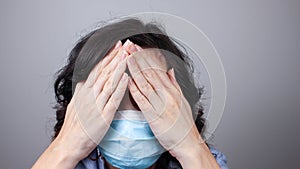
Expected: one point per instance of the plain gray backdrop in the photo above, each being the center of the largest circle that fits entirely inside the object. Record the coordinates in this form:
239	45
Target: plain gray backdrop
258	42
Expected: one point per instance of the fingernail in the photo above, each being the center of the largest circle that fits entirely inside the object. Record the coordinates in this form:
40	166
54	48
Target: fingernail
173	73
118	44
126	43
132	48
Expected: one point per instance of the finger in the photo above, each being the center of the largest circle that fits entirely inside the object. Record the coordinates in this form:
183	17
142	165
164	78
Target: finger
145	106
155	94
156	58
126	44
107	59
78	88
110	71
114	78
138	77
130	47
117	96
149	73
157	99
110	67
116	46
172	78
138	97
138	47
111	53
153	62
121	55
110	84
102	100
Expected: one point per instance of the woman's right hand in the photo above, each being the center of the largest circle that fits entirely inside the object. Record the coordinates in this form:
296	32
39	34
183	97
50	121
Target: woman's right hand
93	105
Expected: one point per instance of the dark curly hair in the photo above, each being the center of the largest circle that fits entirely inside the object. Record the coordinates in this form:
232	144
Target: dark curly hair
91	48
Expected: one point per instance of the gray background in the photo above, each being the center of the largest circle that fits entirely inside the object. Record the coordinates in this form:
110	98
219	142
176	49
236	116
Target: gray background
258	42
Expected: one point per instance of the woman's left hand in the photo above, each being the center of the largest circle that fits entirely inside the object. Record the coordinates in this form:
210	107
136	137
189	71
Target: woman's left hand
158	95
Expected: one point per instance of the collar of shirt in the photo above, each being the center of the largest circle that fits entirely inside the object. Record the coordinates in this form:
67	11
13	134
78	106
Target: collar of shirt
87	163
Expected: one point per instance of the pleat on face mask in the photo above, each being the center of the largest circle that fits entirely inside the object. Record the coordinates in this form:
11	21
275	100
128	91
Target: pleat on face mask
129	142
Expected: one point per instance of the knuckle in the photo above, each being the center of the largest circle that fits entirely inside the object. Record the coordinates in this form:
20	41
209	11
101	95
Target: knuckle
106	71
109	83
134	74
117	95
133	89
104	93
121	88
148	73
110	108
145	87
141	100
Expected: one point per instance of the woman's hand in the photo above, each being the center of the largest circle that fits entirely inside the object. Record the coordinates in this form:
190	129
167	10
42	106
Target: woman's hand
89	112
160	98
94	104
158	95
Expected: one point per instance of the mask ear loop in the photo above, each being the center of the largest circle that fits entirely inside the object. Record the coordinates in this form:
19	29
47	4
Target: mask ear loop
99	155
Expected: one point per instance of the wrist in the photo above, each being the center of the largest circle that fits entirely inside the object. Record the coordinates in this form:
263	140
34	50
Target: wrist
55	156
190	151
196	155
192	143
63	152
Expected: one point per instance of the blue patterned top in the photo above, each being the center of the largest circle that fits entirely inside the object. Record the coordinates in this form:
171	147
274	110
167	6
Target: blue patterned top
99	164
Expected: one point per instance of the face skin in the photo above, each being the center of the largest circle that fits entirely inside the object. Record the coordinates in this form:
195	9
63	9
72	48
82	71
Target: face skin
129	104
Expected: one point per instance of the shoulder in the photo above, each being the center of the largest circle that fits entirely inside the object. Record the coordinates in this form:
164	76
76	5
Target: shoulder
220	157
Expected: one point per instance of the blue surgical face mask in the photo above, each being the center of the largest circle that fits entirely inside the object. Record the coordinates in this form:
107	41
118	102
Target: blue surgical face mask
129	143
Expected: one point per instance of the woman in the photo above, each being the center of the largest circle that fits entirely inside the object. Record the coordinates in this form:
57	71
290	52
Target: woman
156	123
